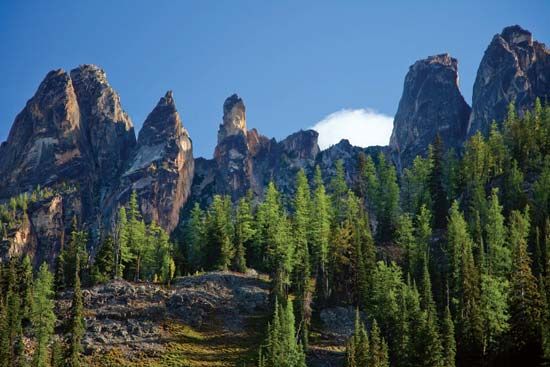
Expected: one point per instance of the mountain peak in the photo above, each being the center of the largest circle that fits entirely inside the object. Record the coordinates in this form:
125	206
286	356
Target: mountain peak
234	118
515	34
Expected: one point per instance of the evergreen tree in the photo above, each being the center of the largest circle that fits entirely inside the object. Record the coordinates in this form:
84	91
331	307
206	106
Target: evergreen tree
13	343
76	324
123	255
220	250
320	234
415	188
438	194
499	253
274	242
339	190
194	238
448	341
302	270
525	299
357	348
378	349
43	316
104	261
244	233
388	199
25	278
281	348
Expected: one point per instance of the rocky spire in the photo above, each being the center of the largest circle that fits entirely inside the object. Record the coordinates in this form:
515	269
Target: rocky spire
161	171
44	140
514	68
234	118
431	104
108	130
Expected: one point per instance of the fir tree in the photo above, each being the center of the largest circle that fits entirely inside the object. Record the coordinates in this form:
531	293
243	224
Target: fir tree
525	300
244	233
281	348
320	235
76	325
500	260
43	316
448	339
378	349
438	194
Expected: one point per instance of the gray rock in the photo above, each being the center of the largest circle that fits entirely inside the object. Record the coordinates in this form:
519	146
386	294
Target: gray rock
514	68
431	104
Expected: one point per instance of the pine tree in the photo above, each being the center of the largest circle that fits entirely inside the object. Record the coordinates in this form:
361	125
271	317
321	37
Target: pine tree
302	270
388	198
438	194
76	324
273	241
14	336
220	250
104	261
25	277
194	238
378	349
339	190
244	233
525	299
448	341
357	348
57	359
43	316
123	255
320	235
281	348
500	260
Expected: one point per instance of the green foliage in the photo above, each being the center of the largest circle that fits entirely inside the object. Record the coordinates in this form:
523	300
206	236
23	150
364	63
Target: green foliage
76	324
43	316
281	348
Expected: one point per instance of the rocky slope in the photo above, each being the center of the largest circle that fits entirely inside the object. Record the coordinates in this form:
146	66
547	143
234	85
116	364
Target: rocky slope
215	319
514	68
431	104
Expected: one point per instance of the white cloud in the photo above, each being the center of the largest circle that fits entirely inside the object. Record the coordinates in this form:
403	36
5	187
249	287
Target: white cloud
362	127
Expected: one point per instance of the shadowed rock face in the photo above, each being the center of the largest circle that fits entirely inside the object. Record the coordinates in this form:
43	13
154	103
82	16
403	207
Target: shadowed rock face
161	169
515	68
74	137
109	133
44	145
431	104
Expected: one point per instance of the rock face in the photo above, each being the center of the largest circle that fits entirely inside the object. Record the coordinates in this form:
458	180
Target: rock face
45	145
431	104
161	169
74	138
246	160
108	131
515	68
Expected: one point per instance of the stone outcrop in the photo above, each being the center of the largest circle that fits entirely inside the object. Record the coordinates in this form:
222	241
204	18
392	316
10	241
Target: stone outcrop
108	131
161	168
45	145
133	317
431	104
74	138
246	160
514	68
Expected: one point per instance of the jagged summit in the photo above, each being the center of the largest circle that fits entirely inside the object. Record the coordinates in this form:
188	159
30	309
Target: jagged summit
431	104
514	68
234	118
515	34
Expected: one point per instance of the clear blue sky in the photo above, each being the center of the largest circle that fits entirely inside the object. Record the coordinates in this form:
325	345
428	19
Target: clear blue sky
293	62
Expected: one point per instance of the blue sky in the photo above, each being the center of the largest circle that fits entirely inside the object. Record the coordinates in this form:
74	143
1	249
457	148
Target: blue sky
293	62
